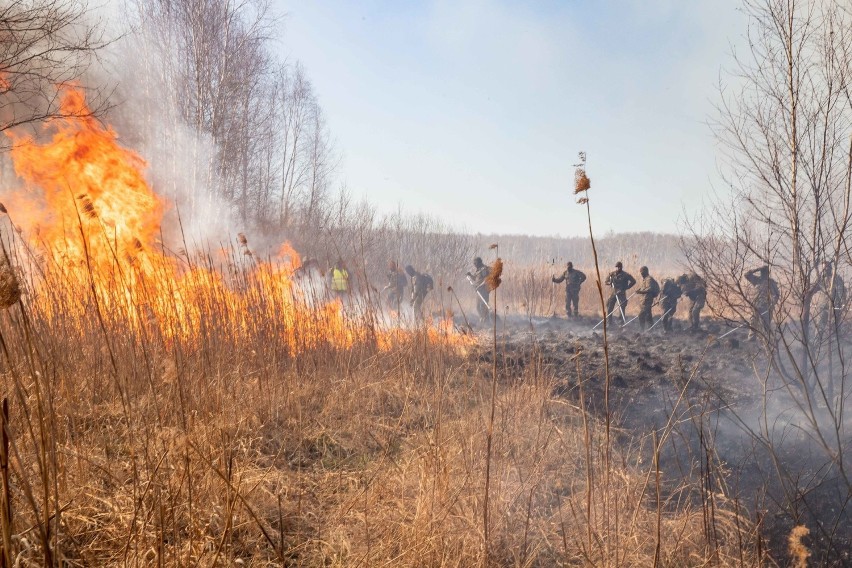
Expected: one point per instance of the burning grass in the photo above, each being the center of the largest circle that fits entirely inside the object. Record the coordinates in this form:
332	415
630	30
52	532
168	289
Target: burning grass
181	410
127	450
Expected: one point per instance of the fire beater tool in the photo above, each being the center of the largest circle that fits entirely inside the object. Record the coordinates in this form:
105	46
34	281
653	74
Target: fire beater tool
478	293
613	311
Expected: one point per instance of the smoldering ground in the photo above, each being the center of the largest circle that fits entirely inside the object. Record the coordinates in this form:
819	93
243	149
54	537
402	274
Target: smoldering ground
730	429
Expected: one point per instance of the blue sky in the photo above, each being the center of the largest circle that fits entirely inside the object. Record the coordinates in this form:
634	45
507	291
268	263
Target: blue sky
474	110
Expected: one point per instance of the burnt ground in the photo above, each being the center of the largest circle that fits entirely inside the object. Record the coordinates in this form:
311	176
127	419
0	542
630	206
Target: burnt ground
711	393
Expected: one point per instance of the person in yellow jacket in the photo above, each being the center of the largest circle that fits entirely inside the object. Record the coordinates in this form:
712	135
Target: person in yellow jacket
339	280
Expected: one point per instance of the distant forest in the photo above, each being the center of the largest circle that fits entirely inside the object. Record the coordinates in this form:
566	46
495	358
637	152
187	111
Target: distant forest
660	252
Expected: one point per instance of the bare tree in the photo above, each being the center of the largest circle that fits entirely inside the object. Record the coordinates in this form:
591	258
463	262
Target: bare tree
43	44
785	125
295	103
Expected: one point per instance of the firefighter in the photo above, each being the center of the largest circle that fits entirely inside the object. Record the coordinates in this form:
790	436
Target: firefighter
763	297
395	287
695	290
669	296
829	298
477	280
620	281
421	284
339	280
649	290
573	281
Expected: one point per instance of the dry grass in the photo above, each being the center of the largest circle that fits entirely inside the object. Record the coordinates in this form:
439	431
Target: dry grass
128	447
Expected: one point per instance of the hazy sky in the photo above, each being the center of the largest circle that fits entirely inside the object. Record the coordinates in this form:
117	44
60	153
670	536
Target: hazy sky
474	110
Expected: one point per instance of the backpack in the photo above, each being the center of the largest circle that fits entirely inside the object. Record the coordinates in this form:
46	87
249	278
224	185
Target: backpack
655	288
671	290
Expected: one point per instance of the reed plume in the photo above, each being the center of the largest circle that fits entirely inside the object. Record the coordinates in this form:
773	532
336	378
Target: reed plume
799	553
581	181
493	280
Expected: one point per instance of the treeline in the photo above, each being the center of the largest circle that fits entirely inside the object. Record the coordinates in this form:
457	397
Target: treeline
660	252
225	120
234	134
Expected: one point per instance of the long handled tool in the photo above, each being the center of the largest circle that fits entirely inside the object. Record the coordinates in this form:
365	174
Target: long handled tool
635	317
478	293
726	334
621	309
659	320
613	311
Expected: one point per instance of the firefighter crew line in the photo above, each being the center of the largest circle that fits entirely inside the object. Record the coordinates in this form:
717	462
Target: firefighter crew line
763	294
762	291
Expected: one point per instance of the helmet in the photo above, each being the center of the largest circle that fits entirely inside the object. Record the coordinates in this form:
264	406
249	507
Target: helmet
477	261
643	271
618	264
570	264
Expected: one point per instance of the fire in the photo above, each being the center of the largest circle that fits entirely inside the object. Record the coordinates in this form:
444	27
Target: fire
89	210
88	200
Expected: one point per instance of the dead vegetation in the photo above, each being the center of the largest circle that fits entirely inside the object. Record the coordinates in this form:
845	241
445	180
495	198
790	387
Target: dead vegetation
126	447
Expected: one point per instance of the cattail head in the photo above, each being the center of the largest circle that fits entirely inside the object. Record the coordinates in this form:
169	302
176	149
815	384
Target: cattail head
10	288
493	281
581	181
798	551
88	206
492	246
450	289
241	238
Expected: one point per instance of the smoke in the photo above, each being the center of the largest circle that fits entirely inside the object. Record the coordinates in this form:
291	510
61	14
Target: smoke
146	114
137	98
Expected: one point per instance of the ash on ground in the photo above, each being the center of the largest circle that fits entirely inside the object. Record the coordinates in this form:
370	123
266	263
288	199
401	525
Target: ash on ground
728	436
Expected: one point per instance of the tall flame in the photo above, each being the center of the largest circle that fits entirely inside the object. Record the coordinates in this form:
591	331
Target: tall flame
95	207
88	206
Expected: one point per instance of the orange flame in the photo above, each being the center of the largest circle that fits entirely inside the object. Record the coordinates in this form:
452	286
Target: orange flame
88	206
96	208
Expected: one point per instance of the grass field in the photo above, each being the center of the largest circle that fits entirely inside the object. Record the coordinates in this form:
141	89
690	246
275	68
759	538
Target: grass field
223	444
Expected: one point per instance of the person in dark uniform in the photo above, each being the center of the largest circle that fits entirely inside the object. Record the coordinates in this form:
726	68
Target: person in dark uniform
620	282
573	281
